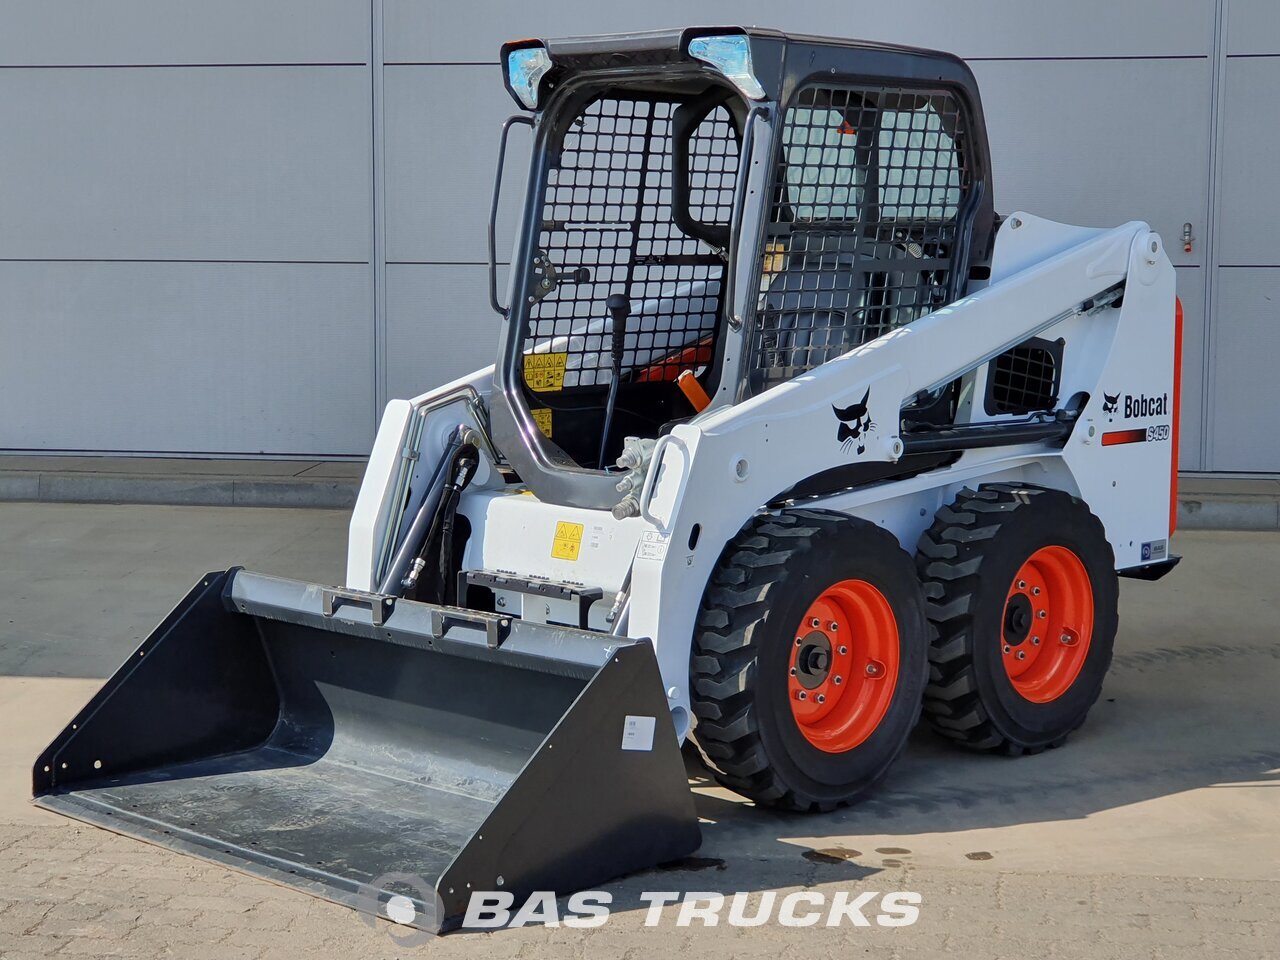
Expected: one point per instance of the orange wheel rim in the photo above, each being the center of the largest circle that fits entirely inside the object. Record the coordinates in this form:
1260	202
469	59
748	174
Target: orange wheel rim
1047	624
844	666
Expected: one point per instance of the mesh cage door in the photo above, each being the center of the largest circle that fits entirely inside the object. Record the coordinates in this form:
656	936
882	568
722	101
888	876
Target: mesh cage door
607	227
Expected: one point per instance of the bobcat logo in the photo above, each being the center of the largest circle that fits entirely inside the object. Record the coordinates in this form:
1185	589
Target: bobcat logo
855	424
1110	402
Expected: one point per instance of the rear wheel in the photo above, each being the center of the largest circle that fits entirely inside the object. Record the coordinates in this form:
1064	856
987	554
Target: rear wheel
809	662
1023	593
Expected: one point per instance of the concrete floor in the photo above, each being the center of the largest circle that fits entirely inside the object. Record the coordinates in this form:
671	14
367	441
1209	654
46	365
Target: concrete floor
1154	832
82	584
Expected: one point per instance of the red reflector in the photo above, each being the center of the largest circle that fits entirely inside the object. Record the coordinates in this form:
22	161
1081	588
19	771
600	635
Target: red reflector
1124	436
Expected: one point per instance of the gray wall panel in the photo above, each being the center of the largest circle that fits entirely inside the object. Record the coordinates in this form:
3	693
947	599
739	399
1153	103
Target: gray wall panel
110	155
441	134
185	163
1253	26
439	325
418	32
1246	392
1069	146
78	32
214	358
1084	168
1247	164
1191	293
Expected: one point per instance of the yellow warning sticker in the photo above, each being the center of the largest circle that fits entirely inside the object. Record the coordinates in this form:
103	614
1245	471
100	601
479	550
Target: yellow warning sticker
544	372
567	542
542	417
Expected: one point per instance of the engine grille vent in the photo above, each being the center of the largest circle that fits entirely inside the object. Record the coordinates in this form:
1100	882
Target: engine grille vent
1025	379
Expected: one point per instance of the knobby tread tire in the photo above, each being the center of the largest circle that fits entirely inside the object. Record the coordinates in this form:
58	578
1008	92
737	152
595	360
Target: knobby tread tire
733	625
950	558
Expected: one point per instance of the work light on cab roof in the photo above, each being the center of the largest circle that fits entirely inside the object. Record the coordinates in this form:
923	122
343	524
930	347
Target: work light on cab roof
526	66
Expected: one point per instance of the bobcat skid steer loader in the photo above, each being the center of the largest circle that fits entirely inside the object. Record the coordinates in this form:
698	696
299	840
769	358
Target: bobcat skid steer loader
789	439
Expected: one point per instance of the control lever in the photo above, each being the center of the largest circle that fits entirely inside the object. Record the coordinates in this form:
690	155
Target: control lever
693	391
619	308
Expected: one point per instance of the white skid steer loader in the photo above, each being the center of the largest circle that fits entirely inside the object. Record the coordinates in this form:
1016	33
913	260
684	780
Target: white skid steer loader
789	439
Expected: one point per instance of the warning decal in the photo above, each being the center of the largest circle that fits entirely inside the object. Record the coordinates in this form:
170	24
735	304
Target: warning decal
567	542
544	372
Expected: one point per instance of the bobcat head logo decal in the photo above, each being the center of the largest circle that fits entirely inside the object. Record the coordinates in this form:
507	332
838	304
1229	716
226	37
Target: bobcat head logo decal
1109	402
855	424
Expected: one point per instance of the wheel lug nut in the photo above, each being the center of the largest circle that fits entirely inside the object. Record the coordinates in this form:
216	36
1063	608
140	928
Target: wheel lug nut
1035	591
793	671
802	695
834	626
837	680
843	650
1007	648
1022	584
822	698
1035	641
799	640
1042	614
814	622
1022	655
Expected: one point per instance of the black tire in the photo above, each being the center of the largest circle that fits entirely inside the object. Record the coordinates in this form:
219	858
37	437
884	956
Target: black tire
968	560
745	644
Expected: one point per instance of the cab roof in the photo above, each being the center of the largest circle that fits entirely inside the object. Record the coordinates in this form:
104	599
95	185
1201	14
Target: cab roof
781	61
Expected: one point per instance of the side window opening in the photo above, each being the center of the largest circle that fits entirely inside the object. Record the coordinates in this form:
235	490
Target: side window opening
867	197
824	180
920	173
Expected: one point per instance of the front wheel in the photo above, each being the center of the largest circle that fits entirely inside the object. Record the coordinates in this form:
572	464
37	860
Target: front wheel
809	663
1023	594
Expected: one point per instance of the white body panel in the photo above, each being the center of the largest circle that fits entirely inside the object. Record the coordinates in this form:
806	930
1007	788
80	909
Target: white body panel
715	472
412	432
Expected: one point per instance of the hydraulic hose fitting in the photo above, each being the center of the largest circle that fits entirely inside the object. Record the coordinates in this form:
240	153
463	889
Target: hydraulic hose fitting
636	454
411	578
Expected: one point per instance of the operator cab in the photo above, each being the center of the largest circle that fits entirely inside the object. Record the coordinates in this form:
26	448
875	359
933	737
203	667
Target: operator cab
706	221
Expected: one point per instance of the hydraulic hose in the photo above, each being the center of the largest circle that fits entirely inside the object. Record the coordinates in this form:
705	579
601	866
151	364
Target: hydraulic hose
619	308
608	416
465	464
416	539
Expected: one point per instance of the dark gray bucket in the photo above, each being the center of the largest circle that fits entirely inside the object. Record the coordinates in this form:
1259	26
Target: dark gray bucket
330	751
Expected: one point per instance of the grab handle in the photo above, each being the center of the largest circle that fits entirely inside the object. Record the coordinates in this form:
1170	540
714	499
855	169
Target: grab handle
493	211
651	478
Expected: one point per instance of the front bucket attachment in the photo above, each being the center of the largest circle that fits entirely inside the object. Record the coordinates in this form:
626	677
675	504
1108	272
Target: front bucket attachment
358	747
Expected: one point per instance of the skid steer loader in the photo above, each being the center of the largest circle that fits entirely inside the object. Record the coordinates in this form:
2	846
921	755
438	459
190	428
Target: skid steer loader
790	438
